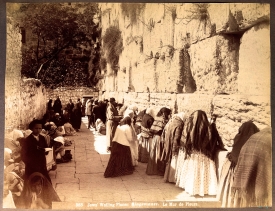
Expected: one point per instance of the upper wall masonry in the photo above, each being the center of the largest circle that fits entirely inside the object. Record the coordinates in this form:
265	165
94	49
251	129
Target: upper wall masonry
187	48
214	57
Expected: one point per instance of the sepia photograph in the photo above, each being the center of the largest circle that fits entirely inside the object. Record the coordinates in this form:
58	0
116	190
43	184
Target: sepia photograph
119	105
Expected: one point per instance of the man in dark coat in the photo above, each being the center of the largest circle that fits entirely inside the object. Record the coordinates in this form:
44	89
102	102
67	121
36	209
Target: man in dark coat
34	150
96	111
57	106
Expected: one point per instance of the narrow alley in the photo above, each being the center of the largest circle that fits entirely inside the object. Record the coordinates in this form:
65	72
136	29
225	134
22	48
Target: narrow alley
81	185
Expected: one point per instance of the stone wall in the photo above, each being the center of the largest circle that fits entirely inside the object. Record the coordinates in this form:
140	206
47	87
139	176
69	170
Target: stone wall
12	76
24	99
216	59
66	93
32	101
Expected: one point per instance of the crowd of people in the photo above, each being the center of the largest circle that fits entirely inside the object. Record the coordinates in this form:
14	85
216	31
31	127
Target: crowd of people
182	148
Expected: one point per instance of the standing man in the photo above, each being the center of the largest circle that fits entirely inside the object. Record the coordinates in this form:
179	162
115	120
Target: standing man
112	122
77	114
57	106
88	112
70	107
96	112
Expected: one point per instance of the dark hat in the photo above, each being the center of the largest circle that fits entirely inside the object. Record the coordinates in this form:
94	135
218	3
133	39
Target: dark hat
112	99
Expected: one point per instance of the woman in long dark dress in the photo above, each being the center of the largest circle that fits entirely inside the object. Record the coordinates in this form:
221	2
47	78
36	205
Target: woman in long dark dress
120	162
76	116
155	166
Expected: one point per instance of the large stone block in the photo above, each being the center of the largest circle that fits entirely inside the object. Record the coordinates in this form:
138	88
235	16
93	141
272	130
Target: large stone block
248	13
254	62
214	64
189	103
233	110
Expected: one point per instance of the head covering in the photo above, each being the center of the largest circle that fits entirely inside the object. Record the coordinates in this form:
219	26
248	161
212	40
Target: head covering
149	111
126	120
27	132
246	130
112	99
7	157
129	113
181	115
252	185
60	139
17	134
134	108
198	134
48	194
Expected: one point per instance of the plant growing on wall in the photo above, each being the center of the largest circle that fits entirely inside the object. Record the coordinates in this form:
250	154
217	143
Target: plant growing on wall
103	63
112	46
132	10
199	12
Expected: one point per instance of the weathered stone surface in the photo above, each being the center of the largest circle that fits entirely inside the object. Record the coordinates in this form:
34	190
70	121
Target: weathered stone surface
214	64
24	100
189	103
233	110
66	93
254	62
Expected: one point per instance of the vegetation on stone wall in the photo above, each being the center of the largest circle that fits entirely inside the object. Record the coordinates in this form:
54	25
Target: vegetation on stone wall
112	46
55	31
132	10
103	63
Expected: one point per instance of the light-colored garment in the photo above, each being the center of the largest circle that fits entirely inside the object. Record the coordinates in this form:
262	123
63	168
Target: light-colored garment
134	146
8	201
88	108
100	126
16	134
197	175
123	135
69	130
112	122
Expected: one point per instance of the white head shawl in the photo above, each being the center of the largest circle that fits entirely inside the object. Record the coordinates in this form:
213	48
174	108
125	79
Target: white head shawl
28	132
60	139
149	111
134	108
181	115
17	134
129	113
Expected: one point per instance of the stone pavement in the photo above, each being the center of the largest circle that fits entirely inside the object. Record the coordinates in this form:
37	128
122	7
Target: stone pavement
80	183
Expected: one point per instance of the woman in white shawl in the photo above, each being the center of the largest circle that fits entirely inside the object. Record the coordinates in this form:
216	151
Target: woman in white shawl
120	162
134	142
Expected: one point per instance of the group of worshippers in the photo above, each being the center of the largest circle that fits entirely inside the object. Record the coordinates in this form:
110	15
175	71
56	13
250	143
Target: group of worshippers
27	184
95	110
70	113
183	149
